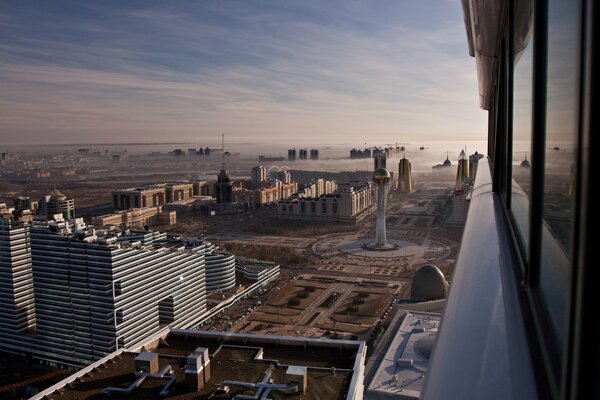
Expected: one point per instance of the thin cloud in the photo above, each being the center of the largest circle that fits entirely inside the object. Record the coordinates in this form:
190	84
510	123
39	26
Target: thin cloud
246	71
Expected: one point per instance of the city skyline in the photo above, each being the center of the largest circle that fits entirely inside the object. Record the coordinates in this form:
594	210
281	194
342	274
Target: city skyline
90	73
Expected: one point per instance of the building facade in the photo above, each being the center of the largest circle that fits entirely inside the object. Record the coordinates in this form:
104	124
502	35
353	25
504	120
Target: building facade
179	192
284	176
258	176
152	196
526	273
16	279
220	269
379	159
318	187
352	203
95	294
291	155
56	203
404	176
137	218
266	195
224	188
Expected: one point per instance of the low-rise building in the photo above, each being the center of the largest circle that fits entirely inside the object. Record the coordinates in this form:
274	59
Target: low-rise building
400	373
201	188
256	270
140	197
137	218
179	192
192	364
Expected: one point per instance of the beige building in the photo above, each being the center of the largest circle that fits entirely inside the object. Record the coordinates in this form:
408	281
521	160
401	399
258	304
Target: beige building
284	176
350	203
141	197
266	195
318	187
42	174
179	192
404	176
201	188
137	218
68	171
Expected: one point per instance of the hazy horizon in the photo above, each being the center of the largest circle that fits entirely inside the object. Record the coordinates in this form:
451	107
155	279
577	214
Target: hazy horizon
137	72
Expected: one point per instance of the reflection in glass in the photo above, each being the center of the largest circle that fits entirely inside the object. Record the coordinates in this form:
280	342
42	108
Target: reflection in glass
522	115
561	140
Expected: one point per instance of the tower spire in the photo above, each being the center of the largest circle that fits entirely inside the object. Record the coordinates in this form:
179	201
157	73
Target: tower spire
222	150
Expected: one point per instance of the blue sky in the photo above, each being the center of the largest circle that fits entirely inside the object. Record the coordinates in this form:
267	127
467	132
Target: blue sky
127	71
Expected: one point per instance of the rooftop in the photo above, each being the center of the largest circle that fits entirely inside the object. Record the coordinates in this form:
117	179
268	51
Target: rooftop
330	367
402	370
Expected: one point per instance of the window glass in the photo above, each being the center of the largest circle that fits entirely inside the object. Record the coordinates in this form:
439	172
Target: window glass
522	116
561	145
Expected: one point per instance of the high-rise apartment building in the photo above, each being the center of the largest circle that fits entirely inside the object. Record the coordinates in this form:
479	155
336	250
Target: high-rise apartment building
379	159
291	155
16	279
284	176
94	294
258	176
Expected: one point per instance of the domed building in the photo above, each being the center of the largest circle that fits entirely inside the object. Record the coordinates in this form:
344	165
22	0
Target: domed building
447	162
57	195
429	283
424	345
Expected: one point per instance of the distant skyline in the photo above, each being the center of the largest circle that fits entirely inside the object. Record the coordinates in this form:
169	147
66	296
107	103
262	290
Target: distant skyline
138	71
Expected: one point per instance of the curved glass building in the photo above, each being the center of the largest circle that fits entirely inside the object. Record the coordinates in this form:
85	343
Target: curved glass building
220	268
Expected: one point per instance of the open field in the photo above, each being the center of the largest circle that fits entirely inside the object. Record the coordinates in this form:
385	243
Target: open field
364	304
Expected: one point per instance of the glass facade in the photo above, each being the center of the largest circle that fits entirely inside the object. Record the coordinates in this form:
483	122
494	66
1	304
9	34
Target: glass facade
541	122
522	101
562	132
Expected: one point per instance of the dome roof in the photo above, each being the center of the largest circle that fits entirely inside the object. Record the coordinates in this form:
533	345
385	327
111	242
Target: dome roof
447	163
429	282
381	175
57	194
425	344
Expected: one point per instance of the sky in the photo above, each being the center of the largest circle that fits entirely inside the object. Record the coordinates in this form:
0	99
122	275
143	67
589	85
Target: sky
281	71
